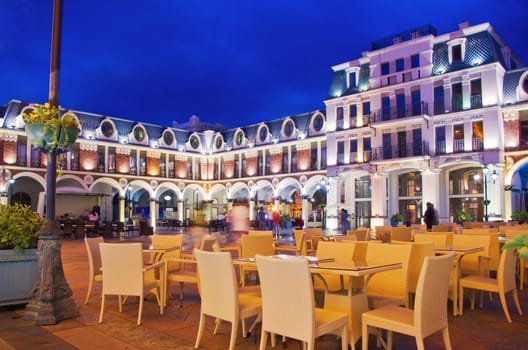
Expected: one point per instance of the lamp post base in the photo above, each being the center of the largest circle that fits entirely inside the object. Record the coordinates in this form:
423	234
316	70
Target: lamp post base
51	300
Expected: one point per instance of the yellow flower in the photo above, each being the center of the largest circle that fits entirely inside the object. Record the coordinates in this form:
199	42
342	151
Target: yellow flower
49	115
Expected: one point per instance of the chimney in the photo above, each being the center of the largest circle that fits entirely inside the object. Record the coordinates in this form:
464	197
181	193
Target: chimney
464	25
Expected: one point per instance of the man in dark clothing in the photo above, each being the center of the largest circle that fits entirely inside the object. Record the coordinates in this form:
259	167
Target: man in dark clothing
429	216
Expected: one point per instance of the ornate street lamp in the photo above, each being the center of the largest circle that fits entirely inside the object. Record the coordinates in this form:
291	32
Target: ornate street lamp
493	176
51	301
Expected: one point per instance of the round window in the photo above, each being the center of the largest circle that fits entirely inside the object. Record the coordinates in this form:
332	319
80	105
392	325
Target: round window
195	141
219	142
263	133
168	138
318	122
107	129
288	128
239	138
139	133
525	85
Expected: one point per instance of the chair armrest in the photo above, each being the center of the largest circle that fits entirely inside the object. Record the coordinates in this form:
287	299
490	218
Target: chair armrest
158	265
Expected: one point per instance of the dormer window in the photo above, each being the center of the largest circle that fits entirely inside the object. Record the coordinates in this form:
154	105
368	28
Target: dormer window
456	53
457	49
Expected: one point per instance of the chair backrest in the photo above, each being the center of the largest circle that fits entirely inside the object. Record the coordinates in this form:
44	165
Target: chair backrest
338	251
253	245
218	284
470	264
419	251
439	239
507	269
391	284
80	228
208	243
94	255
122	268
401	233
67	228
511	232
167	241
419	227
300	241
286	284
260	233
475	231
443	228
430	306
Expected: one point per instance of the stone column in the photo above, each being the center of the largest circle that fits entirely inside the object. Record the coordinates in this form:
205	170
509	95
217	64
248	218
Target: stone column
153	211
379	202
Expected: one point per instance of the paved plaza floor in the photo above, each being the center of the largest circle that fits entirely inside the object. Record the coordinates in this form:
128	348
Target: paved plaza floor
176	329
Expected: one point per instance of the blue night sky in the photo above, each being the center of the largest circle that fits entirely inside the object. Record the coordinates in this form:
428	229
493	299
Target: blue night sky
229	62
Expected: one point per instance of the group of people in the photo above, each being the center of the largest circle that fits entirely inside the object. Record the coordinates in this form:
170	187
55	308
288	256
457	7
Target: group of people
431	216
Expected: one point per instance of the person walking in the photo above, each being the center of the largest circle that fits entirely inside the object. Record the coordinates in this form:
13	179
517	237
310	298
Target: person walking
343	216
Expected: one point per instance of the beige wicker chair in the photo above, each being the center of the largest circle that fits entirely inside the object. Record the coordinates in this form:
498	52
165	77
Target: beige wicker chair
430	308
302	321
251	246
504	283
220	296
125	275
94	264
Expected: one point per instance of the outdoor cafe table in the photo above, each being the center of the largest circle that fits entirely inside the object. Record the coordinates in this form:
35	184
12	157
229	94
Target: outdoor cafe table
353	301
459	254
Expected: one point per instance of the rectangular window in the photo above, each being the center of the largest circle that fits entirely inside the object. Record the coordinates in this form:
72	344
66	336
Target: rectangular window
478	136
417	143
353	111
476	93
440	139
387	146
458	138
400	105
415	61
340	152
439	107
352	79
400	65
366	108
367	150
457	97
402	144
456	53
416	103
353	151
339	117
385	108
385	68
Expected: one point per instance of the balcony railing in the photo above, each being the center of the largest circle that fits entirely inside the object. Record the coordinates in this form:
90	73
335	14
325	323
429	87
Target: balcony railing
400	151
458	146
477	144
476	101
398	112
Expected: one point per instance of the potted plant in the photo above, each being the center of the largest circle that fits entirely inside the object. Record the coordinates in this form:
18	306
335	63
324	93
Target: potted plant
47	129
520	216
520	243
18	253
396	219
462	216
285	221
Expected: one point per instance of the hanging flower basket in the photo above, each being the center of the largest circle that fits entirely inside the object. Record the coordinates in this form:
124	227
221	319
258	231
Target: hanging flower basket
48	131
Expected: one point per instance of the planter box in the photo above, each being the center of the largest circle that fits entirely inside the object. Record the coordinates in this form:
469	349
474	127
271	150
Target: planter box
18	272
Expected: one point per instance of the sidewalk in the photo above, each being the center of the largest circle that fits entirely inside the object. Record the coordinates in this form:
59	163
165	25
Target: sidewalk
176	329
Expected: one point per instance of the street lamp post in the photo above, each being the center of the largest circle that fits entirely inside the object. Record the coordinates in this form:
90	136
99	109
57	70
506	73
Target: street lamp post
51	301
493	176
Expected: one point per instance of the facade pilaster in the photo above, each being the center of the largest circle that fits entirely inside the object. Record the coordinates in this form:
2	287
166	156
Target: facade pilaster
379	201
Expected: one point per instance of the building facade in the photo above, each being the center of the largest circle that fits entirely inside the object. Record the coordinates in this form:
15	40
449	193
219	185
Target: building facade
421	117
